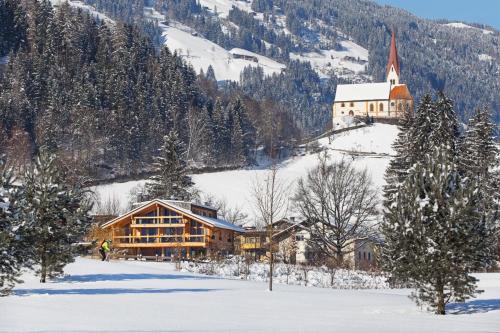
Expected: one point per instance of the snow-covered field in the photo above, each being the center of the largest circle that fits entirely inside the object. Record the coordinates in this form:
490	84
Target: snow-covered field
461	25
352	57
222	7
152	297
235	267
201	53
371	147
81	5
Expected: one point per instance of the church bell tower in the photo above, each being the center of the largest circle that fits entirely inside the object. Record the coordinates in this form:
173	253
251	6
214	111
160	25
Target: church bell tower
392	70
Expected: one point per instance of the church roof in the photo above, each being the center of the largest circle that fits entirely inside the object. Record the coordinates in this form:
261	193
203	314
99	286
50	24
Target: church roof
400	92
362	92
393	56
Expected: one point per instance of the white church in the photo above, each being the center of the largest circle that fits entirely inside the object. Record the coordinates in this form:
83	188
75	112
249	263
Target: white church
378	100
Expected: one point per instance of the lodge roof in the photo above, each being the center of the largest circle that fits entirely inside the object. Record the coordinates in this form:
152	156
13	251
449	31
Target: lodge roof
215	222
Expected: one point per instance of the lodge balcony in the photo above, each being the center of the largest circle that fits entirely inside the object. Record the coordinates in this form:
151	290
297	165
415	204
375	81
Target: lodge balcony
144	241
251	246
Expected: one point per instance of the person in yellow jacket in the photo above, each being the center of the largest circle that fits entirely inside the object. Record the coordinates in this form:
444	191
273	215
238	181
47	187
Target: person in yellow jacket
104	250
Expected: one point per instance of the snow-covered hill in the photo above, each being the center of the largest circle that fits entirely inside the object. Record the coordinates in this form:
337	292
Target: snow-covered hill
201	53
368	147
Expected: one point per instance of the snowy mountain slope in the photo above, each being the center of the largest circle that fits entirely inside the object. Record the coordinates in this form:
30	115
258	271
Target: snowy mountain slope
222	7
235	187
201	53
351	59
461	25
90	9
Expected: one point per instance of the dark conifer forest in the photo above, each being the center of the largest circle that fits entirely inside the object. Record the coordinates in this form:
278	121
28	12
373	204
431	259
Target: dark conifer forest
102	97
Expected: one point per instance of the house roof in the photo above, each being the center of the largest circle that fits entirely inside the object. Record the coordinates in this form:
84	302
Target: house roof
362	92
400	92
215	222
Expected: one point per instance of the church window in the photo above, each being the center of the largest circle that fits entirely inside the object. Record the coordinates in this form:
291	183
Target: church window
352	104
381	107
342	112
342	105
400	107
392	104
372	108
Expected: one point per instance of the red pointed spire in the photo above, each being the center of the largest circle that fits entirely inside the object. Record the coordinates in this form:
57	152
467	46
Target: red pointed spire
393	56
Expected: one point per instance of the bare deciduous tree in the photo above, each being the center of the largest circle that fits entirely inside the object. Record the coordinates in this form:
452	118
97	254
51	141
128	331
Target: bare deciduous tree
271	202
340	204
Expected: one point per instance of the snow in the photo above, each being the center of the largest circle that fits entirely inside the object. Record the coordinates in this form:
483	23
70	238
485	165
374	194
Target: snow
129	296
363	92
201	53
461	25
88	8
485	57
222	7
352	57
367	147
236	268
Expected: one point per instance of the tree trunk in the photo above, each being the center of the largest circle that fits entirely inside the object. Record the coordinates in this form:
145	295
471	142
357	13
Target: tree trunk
43	270
440	301
271	264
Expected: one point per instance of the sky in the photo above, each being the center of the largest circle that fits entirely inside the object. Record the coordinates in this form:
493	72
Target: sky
472	11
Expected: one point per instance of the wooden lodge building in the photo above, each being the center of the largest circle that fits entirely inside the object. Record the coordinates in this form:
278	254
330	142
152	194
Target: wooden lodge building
167	228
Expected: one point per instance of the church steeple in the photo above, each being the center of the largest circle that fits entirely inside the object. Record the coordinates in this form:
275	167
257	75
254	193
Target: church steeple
392	70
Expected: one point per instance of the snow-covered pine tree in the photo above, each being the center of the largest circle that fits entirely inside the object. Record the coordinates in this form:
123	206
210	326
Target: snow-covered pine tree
478	152
170	180
434	234
56	215
478	160
221	135
445	132
397	170
12	254
425	122
211	74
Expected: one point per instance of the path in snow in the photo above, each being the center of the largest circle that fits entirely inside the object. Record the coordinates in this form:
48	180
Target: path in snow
152	297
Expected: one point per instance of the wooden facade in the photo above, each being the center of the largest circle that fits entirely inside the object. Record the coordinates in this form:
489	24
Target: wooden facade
166	229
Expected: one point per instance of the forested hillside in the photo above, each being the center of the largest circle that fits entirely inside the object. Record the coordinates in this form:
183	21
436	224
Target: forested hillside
462	60
103	97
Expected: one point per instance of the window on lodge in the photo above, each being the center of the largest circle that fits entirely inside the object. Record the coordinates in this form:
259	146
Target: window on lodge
196	228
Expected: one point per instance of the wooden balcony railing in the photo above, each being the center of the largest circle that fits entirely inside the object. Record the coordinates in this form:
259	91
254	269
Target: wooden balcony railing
173	240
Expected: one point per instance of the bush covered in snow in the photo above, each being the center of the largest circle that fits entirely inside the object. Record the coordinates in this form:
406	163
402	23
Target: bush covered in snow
239	268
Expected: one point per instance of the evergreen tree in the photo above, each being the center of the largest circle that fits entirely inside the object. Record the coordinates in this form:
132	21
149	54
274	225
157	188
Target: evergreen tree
221	134
397	171
211	74
478	152
56	215
12	254
434	234
424	124
170	180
